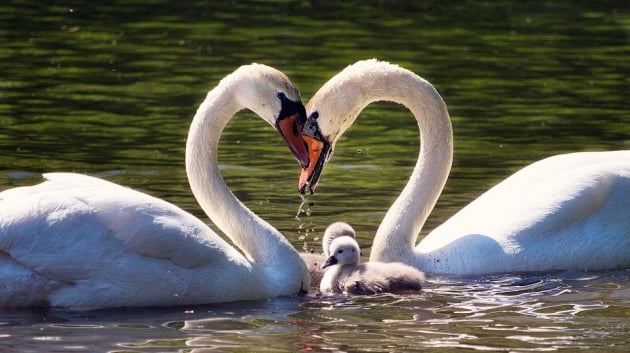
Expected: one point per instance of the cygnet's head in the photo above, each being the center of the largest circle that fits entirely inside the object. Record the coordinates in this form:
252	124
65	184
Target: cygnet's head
343	251
334	231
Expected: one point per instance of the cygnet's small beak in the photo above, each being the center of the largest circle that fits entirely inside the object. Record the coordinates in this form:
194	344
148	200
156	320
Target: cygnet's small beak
330	261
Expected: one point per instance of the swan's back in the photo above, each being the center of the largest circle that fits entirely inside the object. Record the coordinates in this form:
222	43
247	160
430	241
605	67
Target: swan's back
568	211
142	223
75	240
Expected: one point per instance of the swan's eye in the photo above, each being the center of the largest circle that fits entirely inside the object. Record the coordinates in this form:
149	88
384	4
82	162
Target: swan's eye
281	95
340	251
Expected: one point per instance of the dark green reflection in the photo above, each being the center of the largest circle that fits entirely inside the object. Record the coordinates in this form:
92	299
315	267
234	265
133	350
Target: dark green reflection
109	89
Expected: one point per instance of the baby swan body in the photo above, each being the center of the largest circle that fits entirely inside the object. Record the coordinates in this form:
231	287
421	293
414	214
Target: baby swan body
314	261
346	275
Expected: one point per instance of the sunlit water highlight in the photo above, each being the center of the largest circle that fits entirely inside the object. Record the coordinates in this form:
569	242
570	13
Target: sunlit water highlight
537	313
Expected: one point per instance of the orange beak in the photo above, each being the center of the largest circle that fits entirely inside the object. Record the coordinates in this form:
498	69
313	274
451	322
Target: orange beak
290	130
310	174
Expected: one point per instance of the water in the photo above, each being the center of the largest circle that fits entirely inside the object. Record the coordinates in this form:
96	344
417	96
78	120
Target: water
508	313
109	90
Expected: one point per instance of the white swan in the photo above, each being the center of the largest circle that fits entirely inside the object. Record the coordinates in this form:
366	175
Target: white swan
315	261
565	212
344	273
79	241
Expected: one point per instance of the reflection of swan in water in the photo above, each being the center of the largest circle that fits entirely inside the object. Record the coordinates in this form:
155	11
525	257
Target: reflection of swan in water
565	212
344	273
76	240
314	261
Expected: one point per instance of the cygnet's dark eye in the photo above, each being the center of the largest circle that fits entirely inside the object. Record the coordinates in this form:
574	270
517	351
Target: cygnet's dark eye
281	95
340	251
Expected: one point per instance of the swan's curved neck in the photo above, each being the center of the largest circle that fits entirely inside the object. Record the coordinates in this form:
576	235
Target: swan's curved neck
397	234
260	242
396	237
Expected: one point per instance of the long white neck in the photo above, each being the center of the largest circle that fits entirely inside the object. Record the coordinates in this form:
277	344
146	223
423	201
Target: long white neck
369	81
259	241
396	236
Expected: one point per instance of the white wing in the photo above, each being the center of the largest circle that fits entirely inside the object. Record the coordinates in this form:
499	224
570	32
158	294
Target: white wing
74	227
565	211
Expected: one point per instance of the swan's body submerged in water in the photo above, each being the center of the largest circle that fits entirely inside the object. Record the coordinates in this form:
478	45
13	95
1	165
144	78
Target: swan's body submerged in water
79	241
315	261
566	212
344	273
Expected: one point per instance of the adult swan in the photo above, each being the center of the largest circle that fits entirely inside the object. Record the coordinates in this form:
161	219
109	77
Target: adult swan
79	241
565	212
